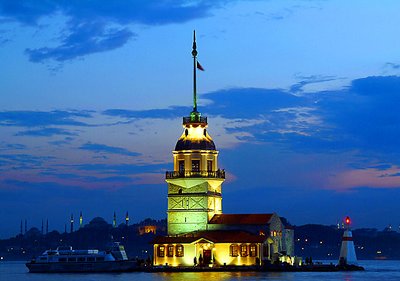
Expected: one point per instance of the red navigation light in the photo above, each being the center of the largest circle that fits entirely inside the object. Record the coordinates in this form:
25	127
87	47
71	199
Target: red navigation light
347	220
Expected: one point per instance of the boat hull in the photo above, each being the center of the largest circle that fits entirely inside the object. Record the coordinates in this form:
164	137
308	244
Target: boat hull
66	267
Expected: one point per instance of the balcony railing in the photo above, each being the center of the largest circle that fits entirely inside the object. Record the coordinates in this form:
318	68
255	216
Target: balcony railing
219	174
194	119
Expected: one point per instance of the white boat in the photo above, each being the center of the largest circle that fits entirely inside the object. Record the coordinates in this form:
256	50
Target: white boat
66	259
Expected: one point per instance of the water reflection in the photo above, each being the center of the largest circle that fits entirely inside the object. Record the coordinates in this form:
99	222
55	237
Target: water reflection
221	276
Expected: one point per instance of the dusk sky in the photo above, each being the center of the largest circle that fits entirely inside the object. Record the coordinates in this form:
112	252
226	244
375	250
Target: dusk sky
302	100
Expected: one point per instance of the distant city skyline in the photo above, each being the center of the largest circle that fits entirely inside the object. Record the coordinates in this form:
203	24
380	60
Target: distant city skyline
301	98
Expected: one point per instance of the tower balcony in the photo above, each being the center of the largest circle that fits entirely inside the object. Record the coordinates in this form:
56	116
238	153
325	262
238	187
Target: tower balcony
219	174
194	118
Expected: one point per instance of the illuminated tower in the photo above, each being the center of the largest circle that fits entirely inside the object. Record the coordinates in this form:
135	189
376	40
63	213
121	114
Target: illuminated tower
72	223
127	219
80	220
115	220
194	187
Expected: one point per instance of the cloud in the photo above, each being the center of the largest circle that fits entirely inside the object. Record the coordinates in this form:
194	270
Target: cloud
122	169
42	118
92	27
88	38
46	132
102	148
392	65
170	113
24	160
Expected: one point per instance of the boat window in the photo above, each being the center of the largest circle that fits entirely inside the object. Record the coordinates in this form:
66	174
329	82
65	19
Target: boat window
100	259
179	251
90	258
71	259
81	259
161	251
170	251
234	250
62	259
253	250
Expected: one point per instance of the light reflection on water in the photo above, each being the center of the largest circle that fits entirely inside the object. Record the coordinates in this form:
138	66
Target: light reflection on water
375	270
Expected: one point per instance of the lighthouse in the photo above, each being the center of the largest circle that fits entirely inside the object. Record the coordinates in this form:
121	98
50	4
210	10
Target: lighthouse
347	251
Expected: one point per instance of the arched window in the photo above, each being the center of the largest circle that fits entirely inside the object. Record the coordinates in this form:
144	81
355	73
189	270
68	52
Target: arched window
161	251
234	250
170	250
253	250
243	250
179	250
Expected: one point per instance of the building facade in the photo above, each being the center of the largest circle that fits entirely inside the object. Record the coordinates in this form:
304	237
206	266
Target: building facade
198	231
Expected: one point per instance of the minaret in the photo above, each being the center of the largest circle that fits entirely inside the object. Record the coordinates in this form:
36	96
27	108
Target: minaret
26	226
194	186
42	227
47	226
72	223
80	220
347	251
115	220
127	219
65	228
21	228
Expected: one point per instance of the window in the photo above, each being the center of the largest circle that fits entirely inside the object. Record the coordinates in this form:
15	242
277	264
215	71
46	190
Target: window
243	250
209	165
161	251
81	259
179	251
170	250
62	259
90	258
181	166
100	259
71	259
253	250
234	250
195	165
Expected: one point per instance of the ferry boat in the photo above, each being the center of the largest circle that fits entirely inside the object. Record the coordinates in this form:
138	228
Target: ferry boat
66	259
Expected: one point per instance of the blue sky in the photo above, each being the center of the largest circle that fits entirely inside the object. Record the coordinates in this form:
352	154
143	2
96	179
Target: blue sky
301	96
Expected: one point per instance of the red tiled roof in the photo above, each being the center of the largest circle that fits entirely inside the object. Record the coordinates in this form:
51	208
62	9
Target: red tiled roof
241	219
217	236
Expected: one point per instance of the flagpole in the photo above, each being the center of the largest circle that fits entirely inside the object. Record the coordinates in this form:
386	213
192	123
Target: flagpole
194	53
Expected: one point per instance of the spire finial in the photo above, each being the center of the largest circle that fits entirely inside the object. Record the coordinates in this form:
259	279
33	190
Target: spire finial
194	53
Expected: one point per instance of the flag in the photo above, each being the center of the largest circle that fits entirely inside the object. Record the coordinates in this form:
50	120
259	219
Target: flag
199	66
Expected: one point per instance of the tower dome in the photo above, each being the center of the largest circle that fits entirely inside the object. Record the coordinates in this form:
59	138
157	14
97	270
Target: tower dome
195	135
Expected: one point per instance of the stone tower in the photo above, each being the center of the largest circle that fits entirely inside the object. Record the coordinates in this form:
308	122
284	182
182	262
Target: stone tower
194	186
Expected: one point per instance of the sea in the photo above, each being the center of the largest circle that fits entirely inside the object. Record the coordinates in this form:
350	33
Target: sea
381	270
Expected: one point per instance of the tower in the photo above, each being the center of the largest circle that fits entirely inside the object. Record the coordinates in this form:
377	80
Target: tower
80	220
72	223
347	250
42	227
21	228
127	219
194	186
115	220
47	226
